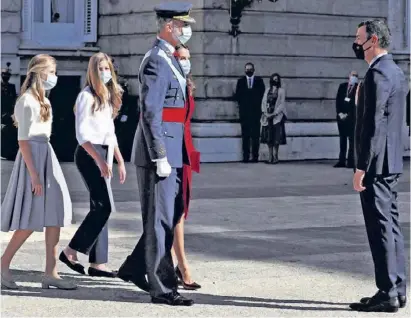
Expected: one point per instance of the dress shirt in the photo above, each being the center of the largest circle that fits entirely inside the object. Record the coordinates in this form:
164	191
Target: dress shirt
250	81
377	57
96	127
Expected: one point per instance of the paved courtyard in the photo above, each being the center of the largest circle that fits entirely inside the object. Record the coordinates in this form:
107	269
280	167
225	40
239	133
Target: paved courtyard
285	241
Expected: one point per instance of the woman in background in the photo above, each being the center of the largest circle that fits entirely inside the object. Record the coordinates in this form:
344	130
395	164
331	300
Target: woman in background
273	118
37	196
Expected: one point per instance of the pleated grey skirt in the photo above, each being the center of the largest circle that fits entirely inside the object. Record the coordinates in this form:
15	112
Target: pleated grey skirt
21	209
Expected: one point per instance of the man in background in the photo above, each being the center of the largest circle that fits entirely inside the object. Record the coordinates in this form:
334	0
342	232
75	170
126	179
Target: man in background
9	146
249	94
345	107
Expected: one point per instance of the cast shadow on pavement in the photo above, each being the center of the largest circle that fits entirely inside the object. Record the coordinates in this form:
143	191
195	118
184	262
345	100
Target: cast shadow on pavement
116	290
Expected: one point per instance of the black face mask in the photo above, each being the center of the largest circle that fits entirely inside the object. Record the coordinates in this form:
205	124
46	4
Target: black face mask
359	50
274	83
249	73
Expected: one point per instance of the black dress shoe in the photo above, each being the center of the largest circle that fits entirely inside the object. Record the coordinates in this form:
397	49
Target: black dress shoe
402	300
187	286
75	266
99	273
376	304
172	299
137	279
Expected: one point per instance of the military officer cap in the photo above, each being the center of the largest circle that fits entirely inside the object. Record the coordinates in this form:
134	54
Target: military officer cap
175	10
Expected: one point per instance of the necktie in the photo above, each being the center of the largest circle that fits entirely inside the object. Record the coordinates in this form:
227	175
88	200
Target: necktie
249	82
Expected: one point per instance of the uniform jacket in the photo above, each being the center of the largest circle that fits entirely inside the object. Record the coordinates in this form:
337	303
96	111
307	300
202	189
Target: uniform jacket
159	88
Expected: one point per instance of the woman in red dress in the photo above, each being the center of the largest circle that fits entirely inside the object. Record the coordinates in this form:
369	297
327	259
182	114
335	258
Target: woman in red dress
182	269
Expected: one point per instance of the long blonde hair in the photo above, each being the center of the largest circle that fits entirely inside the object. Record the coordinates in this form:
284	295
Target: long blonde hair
110	93
33	82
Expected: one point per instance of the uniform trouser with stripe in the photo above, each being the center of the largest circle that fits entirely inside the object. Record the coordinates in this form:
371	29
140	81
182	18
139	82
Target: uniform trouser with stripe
152	254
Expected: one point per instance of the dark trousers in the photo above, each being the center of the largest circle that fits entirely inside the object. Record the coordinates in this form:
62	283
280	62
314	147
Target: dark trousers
380	209
92	235
346	132
152	254
250	133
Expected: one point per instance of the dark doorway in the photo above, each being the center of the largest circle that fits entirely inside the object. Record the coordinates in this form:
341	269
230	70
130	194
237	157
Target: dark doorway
62	99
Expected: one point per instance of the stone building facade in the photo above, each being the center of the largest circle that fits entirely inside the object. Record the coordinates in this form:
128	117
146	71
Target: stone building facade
307	42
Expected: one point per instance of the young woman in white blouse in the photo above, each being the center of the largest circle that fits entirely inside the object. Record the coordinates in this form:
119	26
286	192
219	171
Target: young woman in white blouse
96	106
37	196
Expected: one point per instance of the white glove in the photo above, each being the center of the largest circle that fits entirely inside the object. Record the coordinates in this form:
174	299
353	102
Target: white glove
163	167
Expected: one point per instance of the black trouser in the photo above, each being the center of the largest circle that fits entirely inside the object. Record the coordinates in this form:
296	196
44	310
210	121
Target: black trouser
85	238
250	131
380	209
346	132
152	254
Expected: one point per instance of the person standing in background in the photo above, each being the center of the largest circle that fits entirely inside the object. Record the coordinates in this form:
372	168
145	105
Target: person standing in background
345	107
9	145
273	118
249	93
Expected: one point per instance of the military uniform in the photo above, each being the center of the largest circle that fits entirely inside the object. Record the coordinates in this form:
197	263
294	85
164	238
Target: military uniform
159	135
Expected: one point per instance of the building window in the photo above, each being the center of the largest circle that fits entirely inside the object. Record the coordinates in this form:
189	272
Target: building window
59	23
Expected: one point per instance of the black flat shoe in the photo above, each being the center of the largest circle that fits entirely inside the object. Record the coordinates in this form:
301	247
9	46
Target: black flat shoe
75	266
172	299
99	273
186	286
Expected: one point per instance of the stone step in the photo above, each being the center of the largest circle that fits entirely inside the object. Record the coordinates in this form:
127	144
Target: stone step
251	22
288	66
216	110
297	148
127	6
220	43
373	8
213	130
233	65
219	87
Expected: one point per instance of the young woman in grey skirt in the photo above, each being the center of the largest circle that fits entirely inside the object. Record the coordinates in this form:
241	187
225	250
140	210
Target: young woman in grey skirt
96	106
37	196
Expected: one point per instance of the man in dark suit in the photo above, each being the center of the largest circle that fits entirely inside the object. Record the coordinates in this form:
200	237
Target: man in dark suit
249	94
159	152
345	107
9	145
379	163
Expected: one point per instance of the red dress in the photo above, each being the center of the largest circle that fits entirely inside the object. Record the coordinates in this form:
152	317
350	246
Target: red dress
193	155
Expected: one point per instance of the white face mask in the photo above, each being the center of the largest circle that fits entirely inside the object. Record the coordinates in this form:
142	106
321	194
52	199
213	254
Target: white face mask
185	35
105	76
50	82
353	80
186	66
